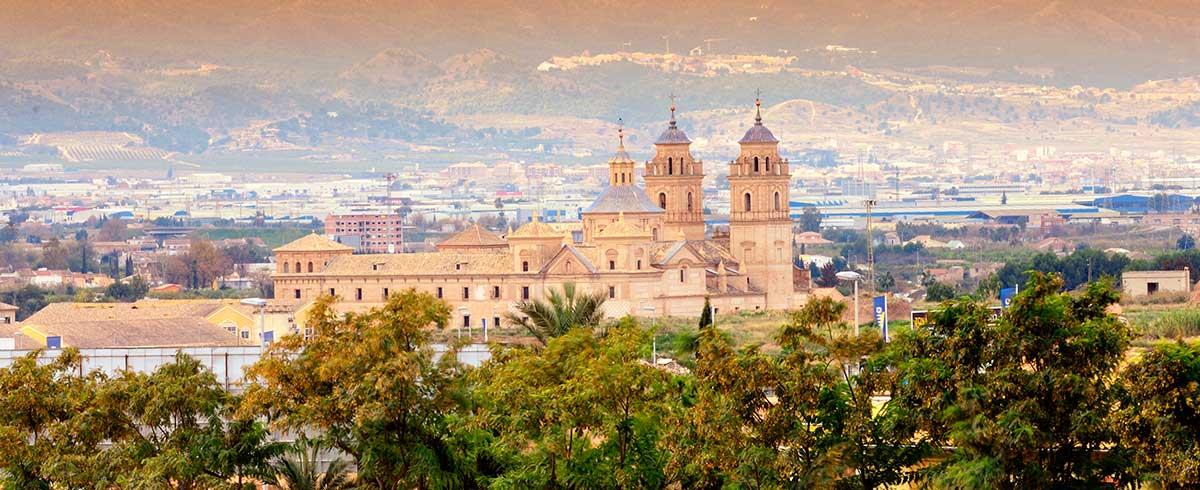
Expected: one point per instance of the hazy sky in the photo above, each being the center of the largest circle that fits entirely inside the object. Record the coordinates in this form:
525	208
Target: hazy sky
1098	39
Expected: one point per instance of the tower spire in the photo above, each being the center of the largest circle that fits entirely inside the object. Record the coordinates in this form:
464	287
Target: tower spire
758	107
620	134
672	110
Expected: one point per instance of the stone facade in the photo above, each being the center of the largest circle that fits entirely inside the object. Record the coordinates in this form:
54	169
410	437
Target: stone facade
674	181
650	260
760	224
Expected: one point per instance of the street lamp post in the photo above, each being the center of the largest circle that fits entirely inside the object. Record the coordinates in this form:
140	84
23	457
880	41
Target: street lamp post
855	278
653	339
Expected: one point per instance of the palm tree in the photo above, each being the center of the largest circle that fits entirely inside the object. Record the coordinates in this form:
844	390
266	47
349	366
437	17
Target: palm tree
302	471
562	311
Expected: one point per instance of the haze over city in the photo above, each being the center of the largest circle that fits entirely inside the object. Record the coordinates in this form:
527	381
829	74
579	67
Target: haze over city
848	244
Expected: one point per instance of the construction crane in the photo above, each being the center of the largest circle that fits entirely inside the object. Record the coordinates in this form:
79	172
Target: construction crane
708	43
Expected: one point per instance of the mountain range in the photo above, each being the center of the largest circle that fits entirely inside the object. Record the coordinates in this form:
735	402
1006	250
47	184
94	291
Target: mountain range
310	73
1089	42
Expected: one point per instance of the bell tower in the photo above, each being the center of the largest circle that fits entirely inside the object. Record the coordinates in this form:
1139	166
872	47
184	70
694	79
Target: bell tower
620	166
760	224
674	181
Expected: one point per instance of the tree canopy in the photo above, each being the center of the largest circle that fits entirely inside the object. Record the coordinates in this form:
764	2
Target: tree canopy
1042	396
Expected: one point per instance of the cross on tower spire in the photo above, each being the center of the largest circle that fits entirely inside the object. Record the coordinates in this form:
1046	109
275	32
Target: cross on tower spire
621	133
672	110
757	107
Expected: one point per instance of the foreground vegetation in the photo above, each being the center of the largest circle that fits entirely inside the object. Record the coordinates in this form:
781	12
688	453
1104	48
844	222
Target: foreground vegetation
1041	398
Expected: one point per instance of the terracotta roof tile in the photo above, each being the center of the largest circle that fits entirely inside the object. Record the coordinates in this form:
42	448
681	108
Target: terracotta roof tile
313	243
474	236
416	264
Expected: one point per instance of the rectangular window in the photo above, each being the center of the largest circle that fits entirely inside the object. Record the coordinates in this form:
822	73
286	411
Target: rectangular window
332	292
466	292
496	322
439	293
612	265
297	293
466	321
386	294
612	292
245	334
358	294
639	264
524	292
496	292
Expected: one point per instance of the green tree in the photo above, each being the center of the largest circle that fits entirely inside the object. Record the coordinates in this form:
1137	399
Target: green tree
53	421
803	419
583	412
85	255
300	469
1024	400
28	300
371	384
55	256
706	317
1158	420
559	313
810	219
189	437
828	276
936	291
128	291
886	281
1185	242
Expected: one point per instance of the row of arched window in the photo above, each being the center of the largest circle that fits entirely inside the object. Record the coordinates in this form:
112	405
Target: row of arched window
662	201
298	269
748	207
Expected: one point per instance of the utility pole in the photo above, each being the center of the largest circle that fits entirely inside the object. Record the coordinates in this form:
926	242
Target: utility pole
870	249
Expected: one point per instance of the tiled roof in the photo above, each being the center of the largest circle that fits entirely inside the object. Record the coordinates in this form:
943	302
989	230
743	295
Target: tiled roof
623	229
167	332
577	253
758	134
313	243
672	136
623	198
417	264
474	236
709	250
55	313
7	307
535	229
146	323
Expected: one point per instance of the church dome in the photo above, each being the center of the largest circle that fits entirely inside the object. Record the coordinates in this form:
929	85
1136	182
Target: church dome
621	156
758	133
672	135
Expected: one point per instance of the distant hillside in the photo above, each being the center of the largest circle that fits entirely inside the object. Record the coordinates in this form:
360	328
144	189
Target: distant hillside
300	74
1096	42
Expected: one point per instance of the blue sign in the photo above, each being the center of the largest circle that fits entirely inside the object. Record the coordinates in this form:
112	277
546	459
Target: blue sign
268	337
1006	296
881	315
54	342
